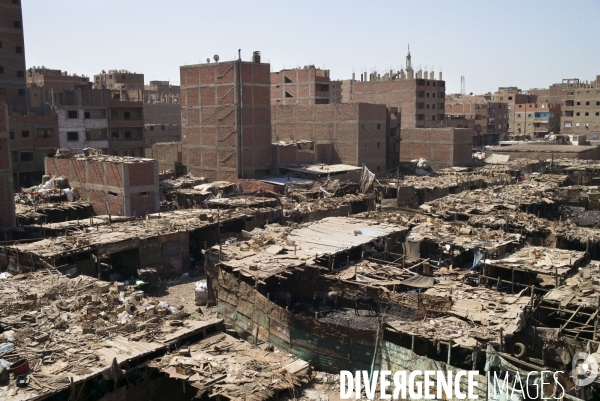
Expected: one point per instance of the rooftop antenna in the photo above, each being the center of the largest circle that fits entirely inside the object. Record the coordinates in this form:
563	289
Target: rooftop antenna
207	60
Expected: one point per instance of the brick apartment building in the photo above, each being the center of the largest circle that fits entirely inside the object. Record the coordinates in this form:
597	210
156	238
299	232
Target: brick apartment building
118	79
514	99
108	119
58	80
24	125
114	186
580	106
307	85
536	120
7	209
414	100
12	56
226	119
353	134
162	113
488	120
126	122
32	138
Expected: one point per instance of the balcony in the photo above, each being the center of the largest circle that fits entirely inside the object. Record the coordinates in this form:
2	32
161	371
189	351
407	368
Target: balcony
133	138
541	120
126	122
125	103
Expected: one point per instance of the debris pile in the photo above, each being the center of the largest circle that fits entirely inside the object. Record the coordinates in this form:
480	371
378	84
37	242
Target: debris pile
69	330
222	365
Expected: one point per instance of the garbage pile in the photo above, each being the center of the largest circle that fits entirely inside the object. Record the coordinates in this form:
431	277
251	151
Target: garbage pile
60	328
235	369
51	189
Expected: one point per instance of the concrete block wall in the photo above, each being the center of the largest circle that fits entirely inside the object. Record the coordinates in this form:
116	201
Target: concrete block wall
441	147
126	188
342	133
226	127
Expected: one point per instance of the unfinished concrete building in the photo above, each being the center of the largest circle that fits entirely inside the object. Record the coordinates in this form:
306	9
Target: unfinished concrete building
162	113
120	186
226	119
353	134
54	79
118	79
82	126
307	85
107	119
7	208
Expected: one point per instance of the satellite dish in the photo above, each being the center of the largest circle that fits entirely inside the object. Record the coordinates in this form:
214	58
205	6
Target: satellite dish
216	57
208	60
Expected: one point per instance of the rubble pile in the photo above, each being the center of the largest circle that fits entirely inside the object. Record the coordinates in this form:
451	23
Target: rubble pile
523	197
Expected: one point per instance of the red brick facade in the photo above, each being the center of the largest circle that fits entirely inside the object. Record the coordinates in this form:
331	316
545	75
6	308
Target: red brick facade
222	137
352	134
125	188
441	147
7	209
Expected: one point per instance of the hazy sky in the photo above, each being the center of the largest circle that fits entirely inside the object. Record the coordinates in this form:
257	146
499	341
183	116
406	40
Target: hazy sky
524	43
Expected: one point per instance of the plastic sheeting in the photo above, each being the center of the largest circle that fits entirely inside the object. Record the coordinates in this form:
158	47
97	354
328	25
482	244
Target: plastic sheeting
366	180
497	159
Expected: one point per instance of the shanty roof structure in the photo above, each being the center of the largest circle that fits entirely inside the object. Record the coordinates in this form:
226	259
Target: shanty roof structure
335	234
321	169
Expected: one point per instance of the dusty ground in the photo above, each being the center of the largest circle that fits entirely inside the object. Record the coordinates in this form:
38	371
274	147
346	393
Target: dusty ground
322	387
179	291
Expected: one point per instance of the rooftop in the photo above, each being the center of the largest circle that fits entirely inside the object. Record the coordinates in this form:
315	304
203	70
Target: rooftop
542	148
320	169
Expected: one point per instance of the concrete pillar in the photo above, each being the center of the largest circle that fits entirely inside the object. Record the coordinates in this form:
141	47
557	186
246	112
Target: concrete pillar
432	75
440	78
